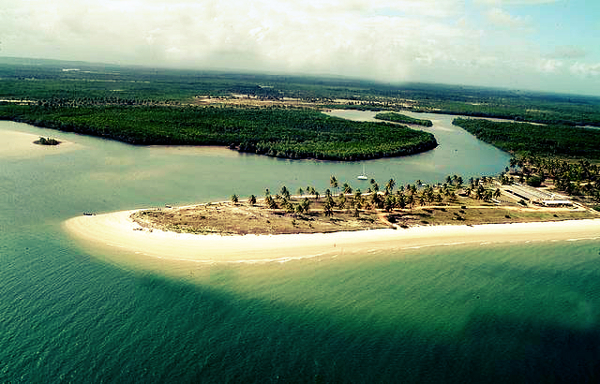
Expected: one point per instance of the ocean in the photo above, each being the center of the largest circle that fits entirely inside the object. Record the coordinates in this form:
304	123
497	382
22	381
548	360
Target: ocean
485	313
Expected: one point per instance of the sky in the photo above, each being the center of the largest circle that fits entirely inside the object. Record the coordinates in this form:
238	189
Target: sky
547	45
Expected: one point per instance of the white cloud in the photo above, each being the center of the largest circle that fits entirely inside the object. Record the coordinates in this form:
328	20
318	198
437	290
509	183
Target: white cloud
585	70
549	65
567	52
378	39
390	40
501	18
515	2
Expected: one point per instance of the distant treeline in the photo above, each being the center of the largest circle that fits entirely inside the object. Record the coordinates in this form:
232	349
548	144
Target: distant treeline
539	140
289	133
52	82
400	118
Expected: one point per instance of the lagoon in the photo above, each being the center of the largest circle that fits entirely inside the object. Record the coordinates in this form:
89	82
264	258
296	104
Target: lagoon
507	313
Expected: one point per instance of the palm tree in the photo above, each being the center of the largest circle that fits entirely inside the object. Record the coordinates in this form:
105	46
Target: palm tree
234	198
252	200
497	193
376	200
480	192
346	188
333	182
306	204
375	187
328	207
285	193
390	185
389	203
342	201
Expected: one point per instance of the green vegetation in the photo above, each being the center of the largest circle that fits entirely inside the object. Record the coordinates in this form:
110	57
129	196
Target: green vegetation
289	133
399	118
542	140
46	141
77	83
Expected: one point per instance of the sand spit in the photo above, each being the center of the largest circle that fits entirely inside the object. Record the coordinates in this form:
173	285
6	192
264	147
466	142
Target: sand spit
117	231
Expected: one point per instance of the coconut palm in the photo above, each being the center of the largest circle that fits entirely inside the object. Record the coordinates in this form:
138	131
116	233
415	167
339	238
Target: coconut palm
252	200
342	201
497	193
375	187
285	193
306	204
389	186
346	188
333	182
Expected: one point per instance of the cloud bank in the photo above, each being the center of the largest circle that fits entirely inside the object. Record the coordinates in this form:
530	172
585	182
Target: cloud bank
392	41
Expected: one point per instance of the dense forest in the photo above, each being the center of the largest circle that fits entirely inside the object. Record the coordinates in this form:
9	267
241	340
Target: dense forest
400	118
88	83
289	133
534	139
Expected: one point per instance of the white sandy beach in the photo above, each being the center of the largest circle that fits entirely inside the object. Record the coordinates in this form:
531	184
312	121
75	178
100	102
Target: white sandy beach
117	231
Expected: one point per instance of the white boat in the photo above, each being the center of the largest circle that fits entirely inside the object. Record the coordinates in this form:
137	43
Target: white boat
362	176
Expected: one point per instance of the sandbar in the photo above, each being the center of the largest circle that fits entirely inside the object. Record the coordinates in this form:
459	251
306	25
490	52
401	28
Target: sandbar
117	231
14	144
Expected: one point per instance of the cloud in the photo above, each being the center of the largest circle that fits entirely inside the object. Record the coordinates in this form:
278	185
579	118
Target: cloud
515	2
378	39
501	18
585	70
549	65
567	52
389	40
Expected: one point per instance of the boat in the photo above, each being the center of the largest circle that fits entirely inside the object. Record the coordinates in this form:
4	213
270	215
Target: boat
362	176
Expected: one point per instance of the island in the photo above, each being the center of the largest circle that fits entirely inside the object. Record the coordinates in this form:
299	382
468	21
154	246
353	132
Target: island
46	141
400	118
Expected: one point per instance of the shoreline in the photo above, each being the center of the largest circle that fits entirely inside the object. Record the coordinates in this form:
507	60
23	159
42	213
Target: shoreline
117	231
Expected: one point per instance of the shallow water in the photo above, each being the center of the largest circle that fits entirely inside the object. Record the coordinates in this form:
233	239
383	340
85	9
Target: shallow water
510	313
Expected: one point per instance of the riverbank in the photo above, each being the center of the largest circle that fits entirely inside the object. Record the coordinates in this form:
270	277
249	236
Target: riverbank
118	231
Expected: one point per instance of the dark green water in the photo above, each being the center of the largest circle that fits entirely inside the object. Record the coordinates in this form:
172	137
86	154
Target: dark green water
526	313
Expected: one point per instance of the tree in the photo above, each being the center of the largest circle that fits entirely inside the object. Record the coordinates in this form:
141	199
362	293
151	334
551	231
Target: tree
252	200
306	204
333	182
342	201
328	207
300	192
285	193
375	187
347	188
234	198
389	186
389	203
376	200
497	193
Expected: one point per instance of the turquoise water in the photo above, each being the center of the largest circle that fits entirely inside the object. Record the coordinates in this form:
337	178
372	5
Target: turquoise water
525	313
